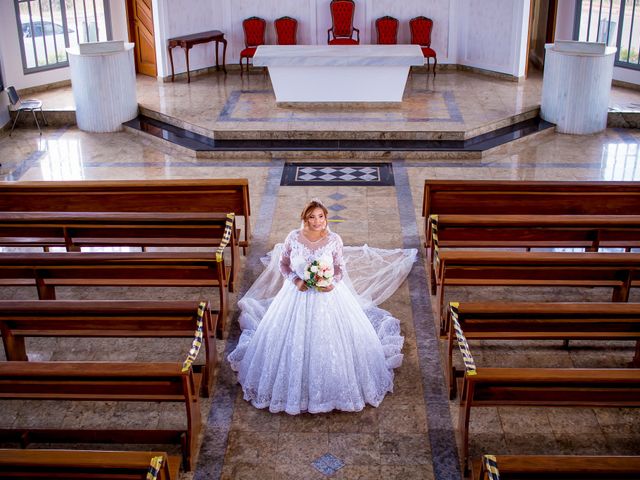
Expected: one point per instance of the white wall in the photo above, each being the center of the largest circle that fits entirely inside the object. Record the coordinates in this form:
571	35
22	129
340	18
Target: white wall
492	34
314	19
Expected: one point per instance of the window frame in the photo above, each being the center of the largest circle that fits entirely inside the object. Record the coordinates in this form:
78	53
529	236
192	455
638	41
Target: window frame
63	9
594	9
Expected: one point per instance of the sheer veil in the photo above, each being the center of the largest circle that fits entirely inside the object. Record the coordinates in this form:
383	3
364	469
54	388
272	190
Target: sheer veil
372	274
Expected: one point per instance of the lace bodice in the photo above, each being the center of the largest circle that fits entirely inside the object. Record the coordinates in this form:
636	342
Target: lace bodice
298	252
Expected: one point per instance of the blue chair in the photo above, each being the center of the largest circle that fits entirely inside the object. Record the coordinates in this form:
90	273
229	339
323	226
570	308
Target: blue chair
24	105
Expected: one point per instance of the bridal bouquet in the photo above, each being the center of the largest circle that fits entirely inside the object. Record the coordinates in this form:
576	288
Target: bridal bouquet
318	274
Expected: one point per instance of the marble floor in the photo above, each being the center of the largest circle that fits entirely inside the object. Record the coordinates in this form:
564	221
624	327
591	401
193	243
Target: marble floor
412	434
453	105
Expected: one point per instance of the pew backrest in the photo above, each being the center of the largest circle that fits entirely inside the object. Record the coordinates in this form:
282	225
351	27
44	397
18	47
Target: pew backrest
46	271
620	271
44	463
541	321
104	382
530	197
107	319
74	230
543	387
561	467
163	196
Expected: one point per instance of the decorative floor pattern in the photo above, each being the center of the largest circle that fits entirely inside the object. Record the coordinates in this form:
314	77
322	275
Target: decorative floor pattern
324	174
260	106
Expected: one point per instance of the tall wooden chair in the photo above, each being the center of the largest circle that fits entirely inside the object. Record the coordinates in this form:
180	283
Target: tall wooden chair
254	32
421	28
342	28
387	30
286	30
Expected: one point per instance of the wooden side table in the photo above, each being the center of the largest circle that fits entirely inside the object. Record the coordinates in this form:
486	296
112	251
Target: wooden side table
188	41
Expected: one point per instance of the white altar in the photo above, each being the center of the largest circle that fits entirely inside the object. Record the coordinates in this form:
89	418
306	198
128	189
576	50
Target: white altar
576	86
103	80
338	73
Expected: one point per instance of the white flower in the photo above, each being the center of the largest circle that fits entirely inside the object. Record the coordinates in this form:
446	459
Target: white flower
323	283
306	275
314	268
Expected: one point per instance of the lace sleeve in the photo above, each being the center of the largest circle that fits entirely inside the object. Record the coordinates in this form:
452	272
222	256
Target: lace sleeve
338	260
285	260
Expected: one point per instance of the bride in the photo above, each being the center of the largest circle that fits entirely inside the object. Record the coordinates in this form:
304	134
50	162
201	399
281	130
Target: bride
317	348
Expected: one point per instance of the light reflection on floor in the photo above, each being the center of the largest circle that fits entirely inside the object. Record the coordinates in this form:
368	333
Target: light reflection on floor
620	162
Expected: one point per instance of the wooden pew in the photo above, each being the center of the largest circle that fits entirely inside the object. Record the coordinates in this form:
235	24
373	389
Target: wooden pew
74	230
104	382
509	197
620	271
46	271
161	196
87	464
542	387
561	467
589	232
107	319
542	321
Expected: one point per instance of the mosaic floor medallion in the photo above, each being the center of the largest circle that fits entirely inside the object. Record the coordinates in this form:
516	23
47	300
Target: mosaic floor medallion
323	174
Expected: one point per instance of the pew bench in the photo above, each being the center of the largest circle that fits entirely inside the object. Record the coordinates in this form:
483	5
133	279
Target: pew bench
512	197
541	321
104	382
46	271
560	467
620	271
589	232
75	230
159	196
544	387
86	464
107	319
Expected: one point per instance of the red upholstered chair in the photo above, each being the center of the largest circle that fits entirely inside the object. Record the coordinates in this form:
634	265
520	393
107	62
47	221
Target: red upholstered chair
286	30
254	30
387	30
421	35
342	23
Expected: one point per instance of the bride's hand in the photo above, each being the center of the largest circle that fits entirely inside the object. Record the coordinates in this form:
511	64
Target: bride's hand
326	289
301	285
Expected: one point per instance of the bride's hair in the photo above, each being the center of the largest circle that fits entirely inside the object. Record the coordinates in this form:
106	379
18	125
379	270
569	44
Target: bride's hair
310	207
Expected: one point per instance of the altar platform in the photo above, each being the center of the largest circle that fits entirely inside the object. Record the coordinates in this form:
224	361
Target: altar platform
455	106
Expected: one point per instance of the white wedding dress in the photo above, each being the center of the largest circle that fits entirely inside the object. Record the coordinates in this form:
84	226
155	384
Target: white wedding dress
319	351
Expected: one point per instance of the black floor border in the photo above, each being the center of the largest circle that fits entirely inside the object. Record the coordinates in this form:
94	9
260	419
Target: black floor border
444	450
201	143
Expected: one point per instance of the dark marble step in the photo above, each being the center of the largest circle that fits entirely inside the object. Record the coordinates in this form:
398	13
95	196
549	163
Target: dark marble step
197	142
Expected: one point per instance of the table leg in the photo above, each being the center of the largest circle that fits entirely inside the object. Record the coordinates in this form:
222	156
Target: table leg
187	58
171	59
224	55
217	65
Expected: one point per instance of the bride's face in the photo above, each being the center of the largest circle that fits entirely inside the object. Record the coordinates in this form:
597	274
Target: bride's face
316	221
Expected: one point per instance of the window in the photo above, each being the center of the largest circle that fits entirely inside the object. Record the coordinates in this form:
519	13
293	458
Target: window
50	26
614	22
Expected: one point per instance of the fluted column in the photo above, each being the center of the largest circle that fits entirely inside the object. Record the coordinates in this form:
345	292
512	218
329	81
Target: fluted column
575	89
104	88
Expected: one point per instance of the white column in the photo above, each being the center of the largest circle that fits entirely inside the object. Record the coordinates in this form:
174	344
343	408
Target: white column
576	86
104	88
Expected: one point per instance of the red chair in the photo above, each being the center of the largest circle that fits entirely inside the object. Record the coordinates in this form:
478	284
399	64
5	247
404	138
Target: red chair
387	29
421	35
286	30
254	30
342	23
